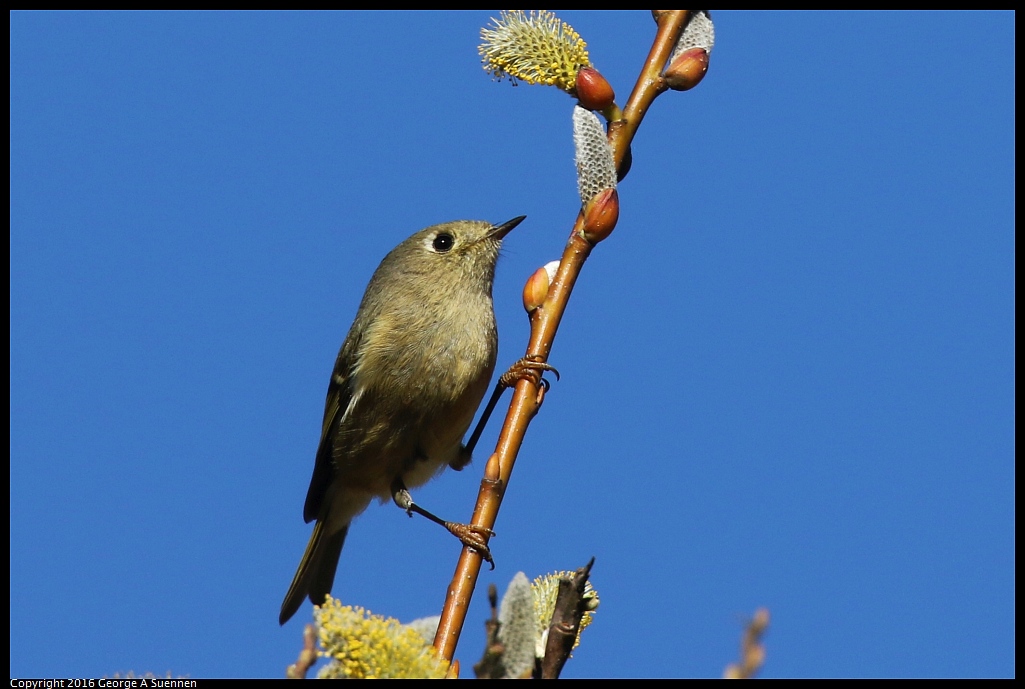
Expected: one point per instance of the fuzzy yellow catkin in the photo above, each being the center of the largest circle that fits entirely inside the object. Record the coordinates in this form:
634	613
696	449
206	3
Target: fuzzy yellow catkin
365	646
537	48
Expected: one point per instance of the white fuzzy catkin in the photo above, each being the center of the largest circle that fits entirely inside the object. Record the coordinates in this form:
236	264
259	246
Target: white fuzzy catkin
699	33
518	627
596	168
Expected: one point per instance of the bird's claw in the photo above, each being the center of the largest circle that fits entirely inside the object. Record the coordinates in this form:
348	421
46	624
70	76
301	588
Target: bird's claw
474	537
528	368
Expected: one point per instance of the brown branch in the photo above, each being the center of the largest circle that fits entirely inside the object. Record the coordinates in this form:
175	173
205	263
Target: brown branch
649	84
752	652
570	607
544	322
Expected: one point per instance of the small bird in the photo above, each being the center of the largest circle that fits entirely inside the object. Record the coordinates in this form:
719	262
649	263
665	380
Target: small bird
406	384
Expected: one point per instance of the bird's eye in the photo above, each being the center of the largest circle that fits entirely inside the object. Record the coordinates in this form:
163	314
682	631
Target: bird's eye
443	242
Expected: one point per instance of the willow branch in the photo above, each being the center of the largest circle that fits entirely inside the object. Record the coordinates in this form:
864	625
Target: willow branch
752	652
570	607
650	82
529	392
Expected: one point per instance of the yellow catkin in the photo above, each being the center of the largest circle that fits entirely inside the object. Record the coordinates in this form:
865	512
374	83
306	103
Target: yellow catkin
538	48
546	591
364	646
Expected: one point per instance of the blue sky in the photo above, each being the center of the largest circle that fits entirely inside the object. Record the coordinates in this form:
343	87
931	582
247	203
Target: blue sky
787	377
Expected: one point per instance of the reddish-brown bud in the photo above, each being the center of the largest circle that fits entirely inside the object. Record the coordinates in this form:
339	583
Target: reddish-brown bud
536	290
687	70
593	90
601	215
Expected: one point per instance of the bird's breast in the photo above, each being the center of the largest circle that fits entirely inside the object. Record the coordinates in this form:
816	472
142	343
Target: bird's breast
420	380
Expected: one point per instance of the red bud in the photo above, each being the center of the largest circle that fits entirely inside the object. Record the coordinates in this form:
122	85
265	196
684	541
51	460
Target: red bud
687	70
593	90
601	215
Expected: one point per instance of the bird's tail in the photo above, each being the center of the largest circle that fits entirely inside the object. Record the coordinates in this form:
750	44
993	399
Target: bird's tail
316	571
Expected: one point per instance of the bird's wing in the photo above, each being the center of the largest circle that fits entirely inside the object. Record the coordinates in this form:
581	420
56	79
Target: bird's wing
339	397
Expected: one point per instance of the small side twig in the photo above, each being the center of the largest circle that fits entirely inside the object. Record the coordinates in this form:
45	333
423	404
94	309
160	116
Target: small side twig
307	656
752	652
570	607
490	665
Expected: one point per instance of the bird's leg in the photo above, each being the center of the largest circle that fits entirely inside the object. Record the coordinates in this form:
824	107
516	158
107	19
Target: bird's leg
469	535
526	368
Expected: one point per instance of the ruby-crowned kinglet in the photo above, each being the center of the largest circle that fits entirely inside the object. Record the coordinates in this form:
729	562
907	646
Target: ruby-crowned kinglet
408	379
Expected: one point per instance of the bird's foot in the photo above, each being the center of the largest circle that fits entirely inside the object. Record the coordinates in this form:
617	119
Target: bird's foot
528	368
475	537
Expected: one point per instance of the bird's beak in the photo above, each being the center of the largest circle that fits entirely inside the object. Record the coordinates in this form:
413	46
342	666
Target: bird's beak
505	228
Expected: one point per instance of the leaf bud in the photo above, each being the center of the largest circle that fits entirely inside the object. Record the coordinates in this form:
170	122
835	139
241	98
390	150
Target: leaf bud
687	70
601	214
593	90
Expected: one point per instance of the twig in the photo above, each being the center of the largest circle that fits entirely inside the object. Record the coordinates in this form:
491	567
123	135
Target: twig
307	656
490	665
570	607
752	652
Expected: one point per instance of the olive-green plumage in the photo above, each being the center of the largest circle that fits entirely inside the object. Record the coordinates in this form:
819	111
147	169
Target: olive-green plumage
408	379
